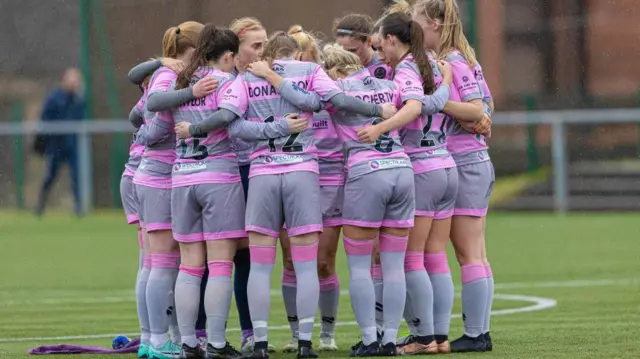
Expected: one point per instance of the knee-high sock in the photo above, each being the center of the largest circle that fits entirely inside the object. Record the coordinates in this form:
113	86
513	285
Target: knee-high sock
378	286
174	328
305	262
141	299
361	286
490	286
218	301
259	289
329	302
159	295
474	298
443	293
392	252
289	295
187	300
419	293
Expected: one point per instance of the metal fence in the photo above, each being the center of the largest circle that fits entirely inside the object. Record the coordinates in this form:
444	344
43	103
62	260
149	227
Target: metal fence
557	120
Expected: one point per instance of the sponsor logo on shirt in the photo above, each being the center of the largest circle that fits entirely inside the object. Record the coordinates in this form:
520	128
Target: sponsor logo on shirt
189	167
437	152
390	163
277	68
283	159
320	124
368	81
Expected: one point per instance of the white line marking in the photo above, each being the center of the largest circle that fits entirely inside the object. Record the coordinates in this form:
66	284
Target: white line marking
128	296
570	283
538	304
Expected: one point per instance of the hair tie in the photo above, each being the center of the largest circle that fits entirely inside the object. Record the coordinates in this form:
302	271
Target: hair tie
177	31
351	33
242	31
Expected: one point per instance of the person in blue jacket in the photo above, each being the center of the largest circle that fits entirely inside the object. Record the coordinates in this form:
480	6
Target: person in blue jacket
65	103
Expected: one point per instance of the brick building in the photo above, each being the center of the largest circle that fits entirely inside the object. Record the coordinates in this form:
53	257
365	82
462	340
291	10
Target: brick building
565	53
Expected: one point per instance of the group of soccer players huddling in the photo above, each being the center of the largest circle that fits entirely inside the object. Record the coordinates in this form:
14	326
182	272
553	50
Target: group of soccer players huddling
244	139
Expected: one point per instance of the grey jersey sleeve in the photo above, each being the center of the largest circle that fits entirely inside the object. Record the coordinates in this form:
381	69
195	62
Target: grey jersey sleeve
435	103
141	71
250	130
135	117
304	100
154	132
163	101
218	119
355	105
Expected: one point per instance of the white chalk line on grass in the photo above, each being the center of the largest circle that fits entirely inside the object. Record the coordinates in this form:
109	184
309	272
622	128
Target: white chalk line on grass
538	304
129	297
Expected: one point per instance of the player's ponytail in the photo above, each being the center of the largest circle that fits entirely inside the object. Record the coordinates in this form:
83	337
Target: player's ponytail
452	36
421	59
308	43
178	39
279	46
410	33
212	44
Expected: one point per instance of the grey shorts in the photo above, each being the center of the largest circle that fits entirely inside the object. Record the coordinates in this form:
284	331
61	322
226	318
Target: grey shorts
436	193
290	198
331	198
155	208
380	199
129	199
208	211
475	184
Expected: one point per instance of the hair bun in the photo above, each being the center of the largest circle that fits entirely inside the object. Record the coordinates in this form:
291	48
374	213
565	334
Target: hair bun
295	29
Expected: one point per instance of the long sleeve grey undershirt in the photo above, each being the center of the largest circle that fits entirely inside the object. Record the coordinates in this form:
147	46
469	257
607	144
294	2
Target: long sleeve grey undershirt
219	119
140	72
434	103
154	132
239	127
355	105
310	100
255	131
135	117
163	101
299	97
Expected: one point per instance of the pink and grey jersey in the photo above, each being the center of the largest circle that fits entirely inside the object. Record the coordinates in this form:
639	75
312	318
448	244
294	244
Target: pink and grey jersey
159	154
207	158
487	98
424	139
387	151
466	147
330	150
241	146
379	69
256	100
136	149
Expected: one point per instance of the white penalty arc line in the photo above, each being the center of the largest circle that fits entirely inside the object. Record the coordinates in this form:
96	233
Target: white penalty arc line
538	304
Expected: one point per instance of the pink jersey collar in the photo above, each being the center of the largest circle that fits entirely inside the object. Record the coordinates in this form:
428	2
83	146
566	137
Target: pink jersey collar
360	74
